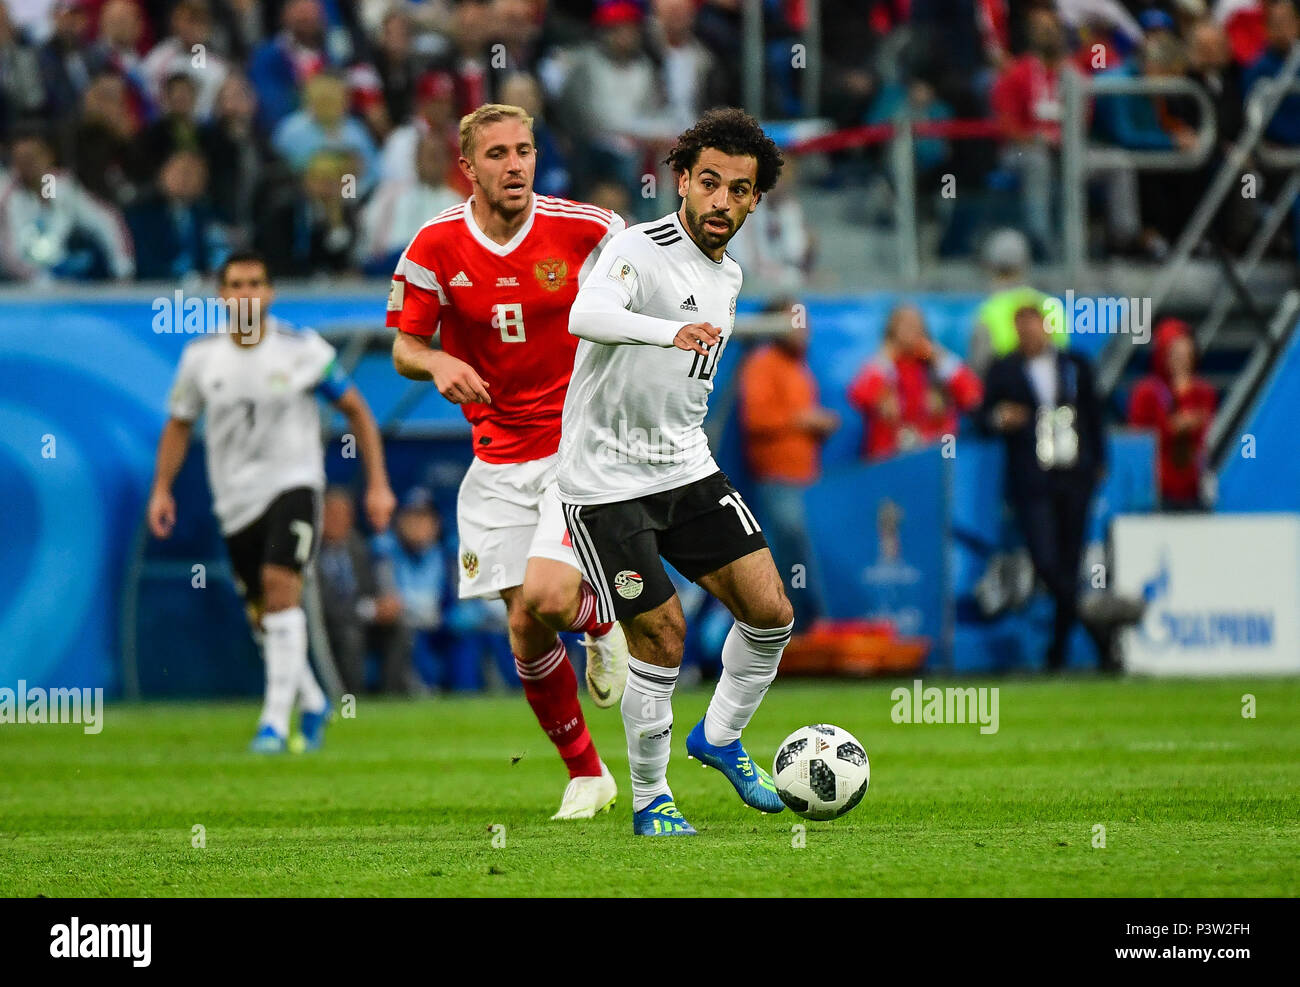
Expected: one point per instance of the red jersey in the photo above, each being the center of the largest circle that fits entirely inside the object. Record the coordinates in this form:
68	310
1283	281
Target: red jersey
504	310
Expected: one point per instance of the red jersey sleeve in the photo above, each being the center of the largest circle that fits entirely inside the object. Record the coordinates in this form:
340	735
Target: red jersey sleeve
416	296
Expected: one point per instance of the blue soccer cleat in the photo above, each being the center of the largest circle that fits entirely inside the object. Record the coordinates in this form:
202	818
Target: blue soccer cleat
267	741
313	727
661	818
754	785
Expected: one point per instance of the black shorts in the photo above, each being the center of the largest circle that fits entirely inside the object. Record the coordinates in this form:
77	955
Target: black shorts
699	528
285	534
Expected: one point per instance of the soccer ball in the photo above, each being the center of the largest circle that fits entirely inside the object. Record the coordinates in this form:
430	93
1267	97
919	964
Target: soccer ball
821	771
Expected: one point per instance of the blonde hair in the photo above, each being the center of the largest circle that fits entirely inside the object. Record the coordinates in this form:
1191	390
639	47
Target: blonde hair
472	123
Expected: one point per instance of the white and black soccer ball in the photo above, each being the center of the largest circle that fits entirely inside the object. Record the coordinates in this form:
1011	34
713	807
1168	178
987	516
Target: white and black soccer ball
821	771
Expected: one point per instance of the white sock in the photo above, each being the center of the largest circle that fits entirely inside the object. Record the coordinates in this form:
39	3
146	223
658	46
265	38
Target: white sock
648	722
285	648
750	656
311	697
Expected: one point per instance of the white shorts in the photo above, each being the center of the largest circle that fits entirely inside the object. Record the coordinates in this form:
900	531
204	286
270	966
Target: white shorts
508	513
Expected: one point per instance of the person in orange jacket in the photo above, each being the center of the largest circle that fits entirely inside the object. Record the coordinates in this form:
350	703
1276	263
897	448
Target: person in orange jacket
784	426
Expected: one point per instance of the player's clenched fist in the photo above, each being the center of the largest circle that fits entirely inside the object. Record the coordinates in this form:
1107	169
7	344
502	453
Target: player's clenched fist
698	336
458	382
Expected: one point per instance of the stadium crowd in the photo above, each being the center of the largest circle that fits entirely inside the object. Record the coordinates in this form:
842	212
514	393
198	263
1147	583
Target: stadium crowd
146	138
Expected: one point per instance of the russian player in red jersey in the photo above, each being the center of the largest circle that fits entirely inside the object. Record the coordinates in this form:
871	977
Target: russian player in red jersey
495	278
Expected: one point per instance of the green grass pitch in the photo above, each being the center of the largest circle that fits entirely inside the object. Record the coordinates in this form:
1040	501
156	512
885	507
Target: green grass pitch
1195	800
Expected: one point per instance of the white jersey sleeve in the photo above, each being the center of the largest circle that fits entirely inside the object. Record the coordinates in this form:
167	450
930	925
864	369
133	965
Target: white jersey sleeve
616	226
619	286
185	402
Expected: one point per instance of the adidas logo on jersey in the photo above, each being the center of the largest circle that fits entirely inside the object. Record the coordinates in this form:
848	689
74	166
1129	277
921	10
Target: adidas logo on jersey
689	305
460	281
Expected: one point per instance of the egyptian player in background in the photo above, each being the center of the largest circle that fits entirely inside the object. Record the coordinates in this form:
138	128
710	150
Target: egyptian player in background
494	277
637	478
257	383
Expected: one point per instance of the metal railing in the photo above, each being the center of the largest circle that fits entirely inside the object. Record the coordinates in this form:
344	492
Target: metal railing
1081	159
1265	103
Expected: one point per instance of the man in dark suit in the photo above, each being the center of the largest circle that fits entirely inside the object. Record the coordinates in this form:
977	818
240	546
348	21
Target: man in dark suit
1042	401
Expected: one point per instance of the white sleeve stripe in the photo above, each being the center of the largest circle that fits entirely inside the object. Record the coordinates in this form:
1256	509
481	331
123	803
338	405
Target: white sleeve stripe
598	220
422	277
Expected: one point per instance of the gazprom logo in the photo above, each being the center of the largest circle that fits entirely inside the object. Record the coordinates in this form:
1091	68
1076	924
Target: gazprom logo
1165	627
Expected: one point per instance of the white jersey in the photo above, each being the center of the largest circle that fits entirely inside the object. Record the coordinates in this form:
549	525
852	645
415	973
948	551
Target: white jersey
634	414
263	421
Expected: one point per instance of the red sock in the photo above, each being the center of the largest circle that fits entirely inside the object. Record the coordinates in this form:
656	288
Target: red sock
586	620
552	691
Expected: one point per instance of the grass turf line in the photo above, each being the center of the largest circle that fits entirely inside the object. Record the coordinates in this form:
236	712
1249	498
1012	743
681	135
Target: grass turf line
1195	800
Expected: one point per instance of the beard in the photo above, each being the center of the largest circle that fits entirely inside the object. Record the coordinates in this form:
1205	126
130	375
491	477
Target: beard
706	237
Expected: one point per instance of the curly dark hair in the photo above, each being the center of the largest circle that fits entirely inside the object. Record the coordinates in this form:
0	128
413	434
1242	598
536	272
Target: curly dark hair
731	131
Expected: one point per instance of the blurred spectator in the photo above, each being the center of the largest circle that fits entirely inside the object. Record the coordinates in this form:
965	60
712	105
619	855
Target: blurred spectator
34	19
775	246
517	28
1043	403
1105	32
435	115
933	154
913	392
175	231
422	573
1283	27
784	428
691	75
1027	101
1179	407
399	207
21	91
360	601
862	46
397	65
177	128
280	66
1244	23
1210	65
323	125
51	227
65	71
612	196
615	103
1152	123
241	161
310	228
121	31
471	28
188	49
106	152
552	177
1006	262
